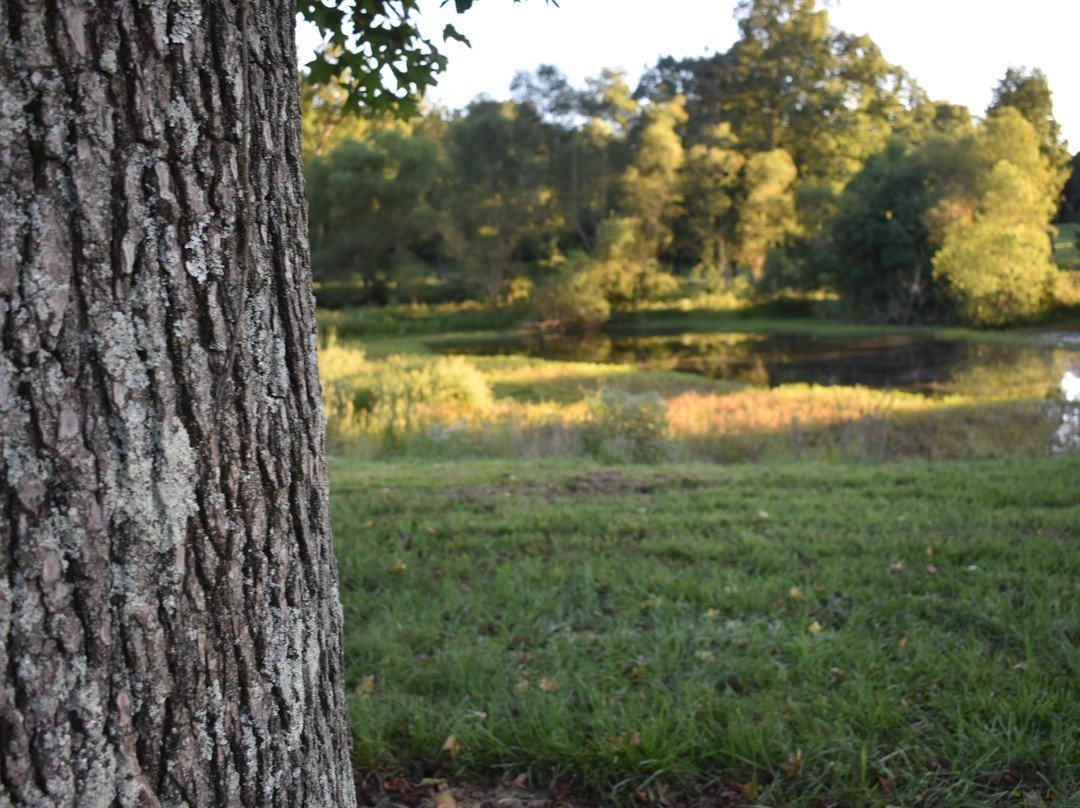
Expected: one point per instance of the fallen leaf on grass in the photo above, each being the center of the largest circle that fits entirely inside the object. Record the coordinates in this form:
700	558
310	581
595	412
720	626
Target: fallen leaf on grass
793	764
519	782
635	739
444	799
1020	666
814	628
932	569
763	514
522	685
398	784
886	786
897	567
795	592
367	685
750	789
397	566
547	685
704	656
452	745
713	613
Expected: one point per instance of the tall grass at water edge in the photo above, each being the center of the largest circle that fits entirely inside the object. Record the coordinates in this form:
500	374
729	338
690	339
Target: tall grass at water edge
507	407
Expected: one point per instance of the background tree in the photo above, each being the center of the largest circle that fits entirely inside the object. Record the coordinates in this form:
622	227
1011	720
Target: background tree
767	215
710	176
650	185
997	268
368	208
497	150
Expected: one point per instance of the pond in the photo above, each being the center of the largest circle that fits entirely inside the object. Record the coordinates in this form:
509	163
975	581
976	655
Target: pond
916	363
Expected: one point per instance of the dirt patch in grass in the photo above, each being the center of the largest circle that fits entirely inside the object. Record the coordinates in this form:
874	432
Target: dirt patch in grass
373	791
592	483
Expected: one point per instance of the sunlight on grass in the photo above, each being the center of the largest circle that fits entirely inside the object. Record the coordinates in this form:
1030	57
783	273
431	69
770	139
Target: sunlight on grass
454	406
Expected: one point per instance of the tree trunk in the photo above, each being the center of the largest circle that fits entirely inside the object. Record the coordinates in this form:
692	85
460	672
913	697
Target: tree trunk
170	632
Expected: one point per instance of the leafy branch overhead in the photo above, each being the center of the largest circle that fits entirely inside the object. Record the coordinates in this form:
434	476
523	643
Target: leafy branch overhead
366	42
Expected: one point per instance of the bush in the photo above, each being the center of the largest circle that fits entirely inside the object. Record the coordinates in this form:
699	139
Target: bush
575	298
626	428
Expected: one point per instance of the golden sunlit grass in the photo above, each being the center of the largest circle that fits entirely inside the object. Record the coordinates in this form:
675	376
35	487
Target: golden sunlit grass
423	406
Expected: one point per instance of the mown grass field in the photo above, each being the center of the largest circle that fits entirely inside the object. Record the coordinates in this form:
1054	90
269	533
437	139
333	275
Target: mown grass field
788	635
1067	246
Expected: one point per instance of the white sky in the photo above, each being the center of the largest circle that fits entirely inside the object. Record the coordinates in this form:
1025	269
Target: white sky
958	50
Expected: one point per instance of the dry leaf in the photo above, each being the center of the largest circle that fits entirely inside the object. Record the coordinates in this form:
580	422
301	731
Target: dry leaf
452	745
444	799
547	685
750	789
886	786
398	566
642	510
368	523
814	628
367	685
795	592
635	739
903	642
930	551
1020	666
521	781
932	569
713	613
477	714
522	685
397	783
465	588
430	529
763	514
793	764
704	656
896	567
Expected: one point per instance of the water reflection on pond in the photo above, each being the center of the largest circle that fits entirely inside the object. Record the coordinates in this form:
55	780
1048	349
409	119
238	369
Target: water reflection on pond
911	363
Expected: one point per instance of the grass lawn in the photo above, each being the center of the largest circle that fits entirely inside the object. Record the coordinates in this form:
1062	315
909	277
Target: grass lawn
785	635
1066	247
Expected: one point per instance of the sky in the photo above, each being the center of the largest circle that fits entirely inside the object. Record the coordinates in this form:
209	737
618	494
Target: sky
957	50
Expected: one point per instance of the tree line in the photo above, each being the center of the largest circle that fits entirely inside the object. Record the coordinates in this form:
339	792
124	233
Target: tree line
798	159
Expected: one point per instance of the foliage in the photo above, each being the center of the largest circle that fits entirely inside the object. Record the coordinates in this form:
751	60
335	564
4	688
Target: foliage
368	207
997	268
799	158
372	38
625	428
575	298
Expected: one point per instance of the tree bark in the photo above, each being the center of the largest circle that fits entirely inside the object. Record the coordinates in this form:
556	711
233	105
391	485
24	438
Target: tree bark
170	631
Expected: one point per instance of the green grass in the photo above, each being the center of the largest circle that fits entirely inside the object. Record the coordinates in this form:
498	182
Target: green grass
648	631
1067	246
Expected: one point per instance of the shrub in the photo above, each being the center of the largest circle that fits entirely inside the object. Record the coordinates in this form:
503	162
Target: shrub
626	428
